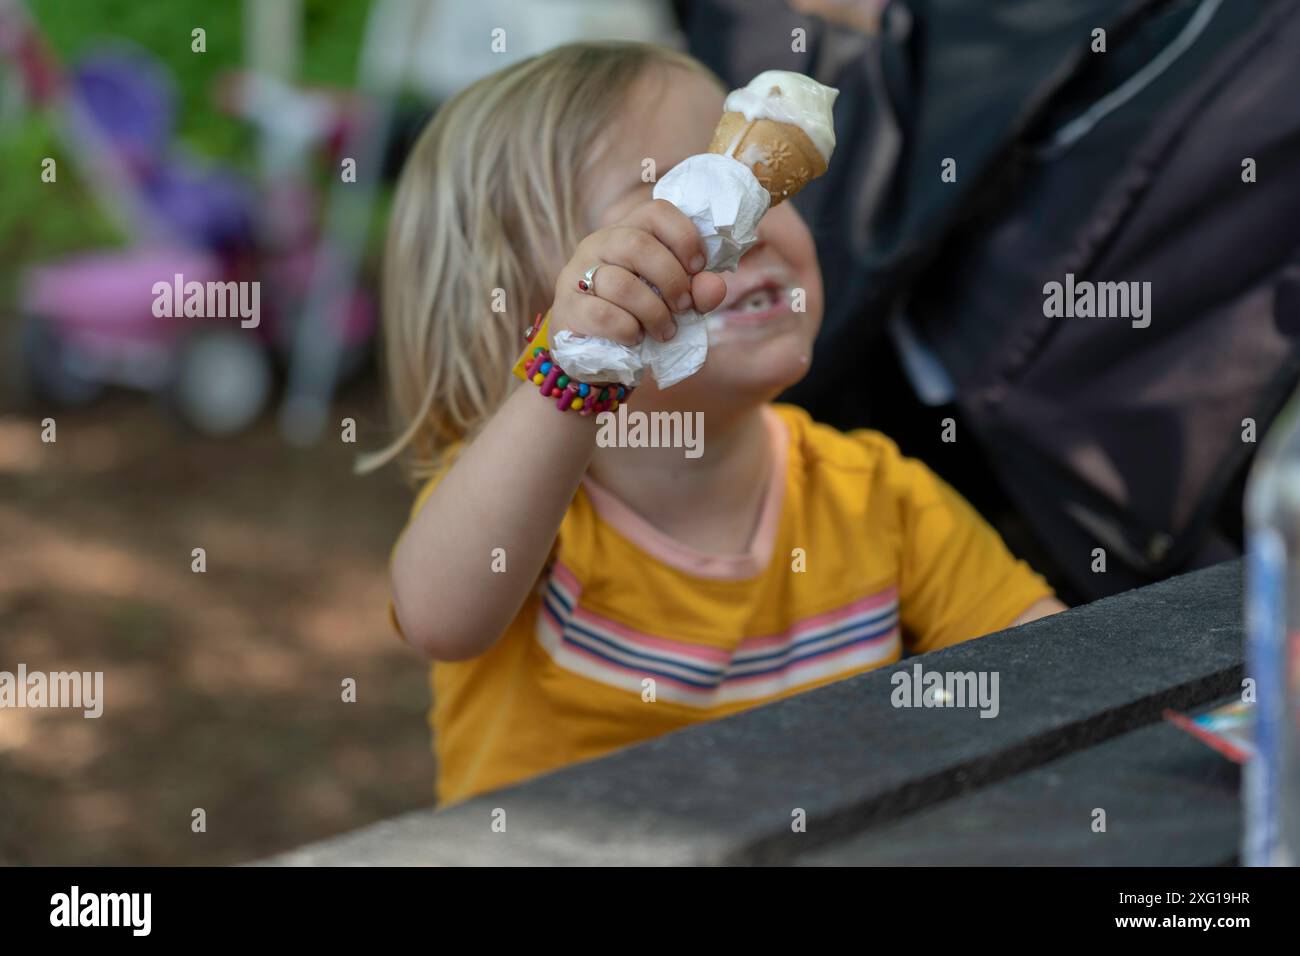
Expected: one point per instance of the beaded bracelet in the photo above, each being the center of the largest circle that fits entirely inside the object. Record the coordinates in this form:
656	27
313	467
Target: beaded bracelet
537	366
570	395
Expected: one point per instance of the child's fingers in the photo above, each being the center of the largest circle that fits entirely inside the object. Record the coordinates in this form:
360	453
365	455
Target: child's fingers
624	288
612	322
639	251
674	229
588	314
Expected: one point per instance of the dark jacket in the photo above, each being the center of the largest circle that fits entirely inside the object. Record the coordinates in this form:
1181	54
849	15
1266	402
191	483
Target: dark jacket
1103	434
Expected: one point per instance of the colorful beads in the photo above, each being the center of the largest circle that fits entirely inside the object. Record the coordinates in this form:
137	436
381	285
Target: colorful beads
580	397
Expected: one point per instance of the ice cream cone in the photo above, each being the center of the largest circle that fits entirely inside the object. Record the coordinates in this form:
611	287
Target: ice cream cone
781	155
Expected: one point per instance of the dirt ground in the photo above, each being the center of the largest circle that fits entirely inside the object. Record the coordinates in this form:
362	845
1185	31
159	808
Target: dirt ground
222	690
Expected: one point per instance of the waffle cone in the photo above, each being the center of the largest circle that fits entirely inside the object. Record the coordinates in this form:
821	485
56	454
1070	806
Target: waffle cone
781	155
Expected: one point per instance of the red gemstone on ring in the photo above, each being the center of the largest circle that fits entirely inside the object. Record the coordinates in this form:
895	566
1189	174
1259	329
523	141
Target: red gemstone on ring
584	285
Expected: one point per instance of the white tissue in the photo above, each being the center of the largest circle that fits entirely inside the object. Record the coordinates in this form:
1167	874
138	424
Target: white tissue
725	201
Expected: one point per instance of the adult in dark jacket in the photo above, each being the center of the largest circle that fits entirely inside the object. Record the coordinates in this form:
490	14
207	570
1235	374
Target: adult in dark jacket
989	149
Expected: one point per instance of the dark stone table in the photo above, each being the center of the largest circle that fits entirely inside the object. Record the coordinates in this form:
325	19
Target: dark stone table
1078	730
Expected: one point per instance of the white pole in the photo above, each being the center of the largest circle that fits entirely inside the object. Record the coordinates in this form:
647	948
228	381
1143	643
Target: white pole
273	37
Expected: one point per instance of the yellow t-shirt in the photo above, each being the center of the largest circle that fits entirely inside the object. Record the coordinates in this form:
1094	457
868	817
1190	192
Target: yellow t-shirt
859	554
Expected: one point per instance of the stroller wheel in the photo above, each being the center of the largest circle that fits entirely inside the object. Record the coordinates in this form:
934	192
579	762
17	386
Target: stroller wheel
222	382
48	370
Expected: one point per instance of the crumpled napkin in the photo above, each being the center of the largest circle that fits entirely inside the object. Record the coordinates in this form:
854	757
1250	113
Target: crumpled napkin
725	201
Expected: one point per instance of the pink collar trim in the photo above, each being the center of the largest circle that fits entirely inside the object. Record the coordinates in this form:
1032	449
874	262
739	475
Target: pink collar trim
673	553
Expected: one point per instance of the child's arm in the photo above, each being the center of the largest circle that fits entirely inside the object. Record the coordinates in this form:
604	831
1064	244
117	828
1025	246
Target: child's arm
1043	607
512	485
958	580
508	489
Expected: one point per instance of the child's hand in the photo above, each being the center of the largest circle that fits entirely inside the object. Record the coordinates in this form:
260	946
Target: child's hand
655	242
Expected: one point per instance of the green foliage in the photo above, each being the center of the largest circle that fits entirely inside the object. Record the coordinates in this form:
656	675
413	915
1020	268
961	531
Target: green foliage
163	30
40	220
331	38
332	31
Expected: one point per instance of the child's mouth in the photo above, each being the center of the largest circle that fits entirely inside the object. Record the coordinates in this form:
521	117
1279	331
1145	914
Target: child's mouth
757	313
758	305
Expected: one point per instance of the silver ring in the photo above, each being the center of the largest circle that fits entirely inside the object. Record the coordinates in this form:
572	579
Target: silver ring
587	283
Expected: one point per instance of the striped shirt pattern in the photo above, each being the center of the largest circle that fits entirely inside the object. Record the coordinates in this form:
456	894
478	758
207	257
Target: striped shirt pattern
839	642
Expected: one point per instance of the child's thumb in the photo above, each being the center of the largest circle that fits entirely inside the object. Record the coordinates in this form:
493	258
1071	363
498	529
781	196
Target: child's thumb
708	290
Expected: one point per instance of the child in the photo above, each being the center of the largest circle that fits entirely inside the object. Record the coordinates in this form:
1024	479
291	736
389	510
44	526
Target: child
576	598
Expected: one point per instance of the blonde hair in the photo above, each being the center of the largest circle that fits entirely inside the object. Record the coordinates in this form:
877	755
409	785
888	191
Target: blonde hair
489	201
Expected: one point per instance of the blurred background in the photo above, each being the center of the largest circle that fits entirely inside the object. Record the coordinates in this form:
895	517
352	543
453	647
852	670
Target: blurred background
223	689
260	141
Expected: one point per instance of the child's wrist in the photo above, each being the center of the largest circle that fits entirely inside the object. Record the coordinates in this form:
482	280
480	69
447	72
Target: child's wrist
585	398
548	433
